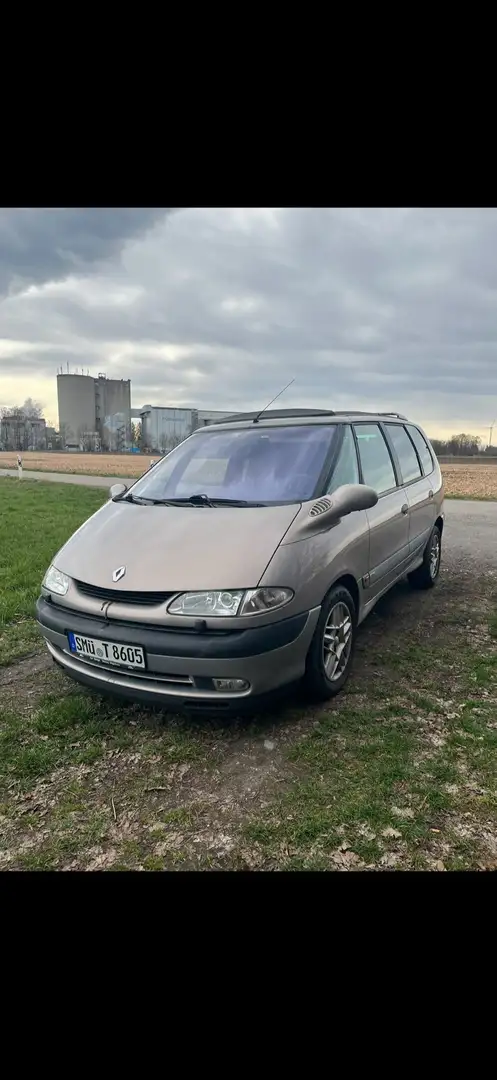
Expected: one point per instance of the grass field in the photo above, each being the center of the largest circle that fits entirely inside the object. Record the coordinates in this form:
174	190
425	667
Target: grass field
400	772
35	520
461	481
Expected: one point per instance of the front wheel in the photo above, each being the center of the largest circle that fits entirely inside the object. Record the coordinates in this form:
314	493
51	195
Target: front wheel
330	655
425	577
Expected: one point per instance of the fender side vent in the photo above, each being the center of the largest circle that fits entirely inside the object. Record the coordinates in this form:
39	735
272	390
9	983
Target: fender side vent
320	507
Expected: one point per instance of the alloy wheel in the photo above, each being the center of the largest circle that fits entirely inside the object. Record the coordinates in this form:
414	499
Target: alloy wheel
435	556
337	641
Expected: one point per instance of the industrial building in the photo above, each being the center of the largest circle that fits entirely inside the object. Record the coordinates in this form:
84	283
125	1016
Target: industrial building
94	413
164	428
20	432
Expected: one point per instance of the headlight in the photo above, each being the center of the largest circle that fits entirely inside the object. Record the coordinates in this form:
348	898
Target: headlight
55	581
229	602
202	604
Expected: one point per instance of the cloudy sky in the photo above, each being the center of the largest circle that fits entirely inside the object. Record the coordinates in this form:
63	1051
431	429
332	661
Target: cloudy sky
219	308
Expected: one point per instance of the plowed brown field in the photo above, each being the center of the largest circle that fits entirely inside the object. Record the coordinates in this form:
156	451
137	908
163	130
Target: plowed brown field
85	464
461	481
470	481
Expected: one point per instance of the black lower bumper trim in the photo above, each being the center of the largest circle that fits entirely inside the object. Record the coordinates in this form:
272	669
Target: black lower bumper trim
231	646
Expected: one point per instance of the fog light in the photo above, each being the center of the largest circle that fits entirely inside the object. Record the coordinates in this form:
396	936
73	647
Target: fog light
230	685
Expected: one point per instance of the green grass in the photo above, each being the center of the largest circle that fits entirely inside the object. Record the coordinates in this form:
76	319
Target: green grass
400	771
35	521
409	781
78	774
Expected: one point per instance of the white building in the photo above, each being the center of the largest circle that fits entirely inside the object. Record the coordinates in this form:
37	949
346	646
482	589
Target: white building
164	428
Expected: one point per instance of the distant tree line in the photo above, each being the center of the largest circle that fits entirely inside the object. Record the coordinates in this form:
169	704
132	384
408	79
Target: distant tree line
462	446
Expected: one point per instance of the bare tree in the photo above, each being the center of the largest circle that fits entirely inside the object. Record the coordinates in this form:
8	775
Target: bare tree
459	445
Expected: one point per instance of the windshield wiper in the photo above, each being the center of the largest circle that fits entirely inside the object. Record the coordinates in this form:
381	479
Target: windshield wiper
235	502
134	499
192	500
200	500
205	500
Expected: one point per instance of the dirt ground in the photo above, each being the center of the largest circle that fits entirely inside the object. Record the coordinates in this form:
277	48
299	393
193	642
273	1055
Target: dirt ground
461	481
325	787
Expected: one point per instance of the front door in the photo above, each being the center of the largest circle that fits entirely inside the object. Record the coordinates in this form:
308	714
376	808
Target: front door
388	540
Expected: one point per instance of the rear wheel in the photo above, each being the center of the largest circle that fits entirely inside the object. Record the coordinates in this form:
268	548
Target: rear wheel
425	577
330	655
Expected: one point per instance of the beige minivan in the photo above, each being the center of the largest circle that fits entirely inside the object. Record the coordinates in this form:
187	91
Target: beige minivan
246	559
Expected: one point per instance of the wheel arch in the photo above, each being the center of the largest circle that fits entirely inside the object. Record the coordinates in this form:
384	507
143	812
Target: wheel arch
349	582
440	524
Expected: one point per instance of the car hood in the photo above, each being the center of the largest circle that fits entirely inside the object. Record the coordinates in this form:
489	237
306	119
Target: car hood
173	548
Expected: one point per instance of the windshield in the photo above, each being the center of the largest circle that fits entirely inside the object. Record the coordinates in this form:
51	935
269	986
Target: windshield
256	464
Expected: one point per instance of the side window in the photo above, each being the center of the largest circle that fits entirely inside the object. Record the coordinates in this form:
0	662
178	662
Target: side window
346	470
423	450
377	468
408	459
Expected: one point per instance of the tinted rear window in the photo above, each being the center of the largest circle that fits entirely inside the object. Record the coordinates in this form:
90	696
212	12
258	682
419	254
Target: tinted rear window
423	450
408	459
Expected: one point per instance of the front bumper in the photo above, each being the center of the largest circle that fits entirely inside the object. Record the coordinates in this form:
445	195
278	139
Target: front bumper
182	664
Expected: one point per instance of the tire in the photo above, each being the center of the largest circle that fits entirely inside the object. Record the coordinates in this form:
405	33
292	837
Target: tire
321	682
426	575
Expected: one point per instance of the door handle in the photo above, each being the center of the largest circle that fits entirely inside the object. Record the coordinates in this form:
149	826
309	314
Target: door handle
404	509
430	494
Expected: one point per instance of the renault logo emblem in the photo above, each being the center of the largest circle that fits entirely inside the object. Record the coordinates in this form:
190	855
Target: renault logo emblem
119	573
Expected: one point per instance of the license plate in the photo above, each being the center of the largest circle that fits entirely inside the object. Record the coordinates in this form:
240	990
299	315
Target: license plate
107	652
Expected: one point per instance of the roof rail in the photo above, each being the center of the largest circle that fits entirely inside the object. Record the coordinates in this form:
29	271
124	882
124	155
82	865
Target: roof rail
273	414
372	412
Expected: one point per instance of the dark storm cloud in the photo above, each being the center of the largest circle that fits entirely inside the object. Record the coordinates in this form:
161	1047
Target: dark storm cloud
39	245
390	308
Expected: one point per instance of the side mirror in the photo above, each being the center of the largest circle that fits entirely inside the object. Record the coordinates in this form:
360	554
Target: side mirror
329	510
352	497
117	489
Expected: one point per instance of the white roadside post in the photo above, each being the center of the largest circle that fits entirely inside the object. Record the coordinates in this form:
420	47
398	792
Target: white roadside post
19	466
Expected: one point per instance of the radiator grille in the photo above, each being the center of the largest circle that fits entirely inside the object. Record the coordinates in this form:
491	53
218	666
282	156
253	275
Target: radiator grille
123	596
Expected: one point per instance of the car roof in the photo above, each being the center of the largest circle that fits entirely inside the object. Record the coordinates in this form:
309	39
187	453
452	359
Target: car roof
280	418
